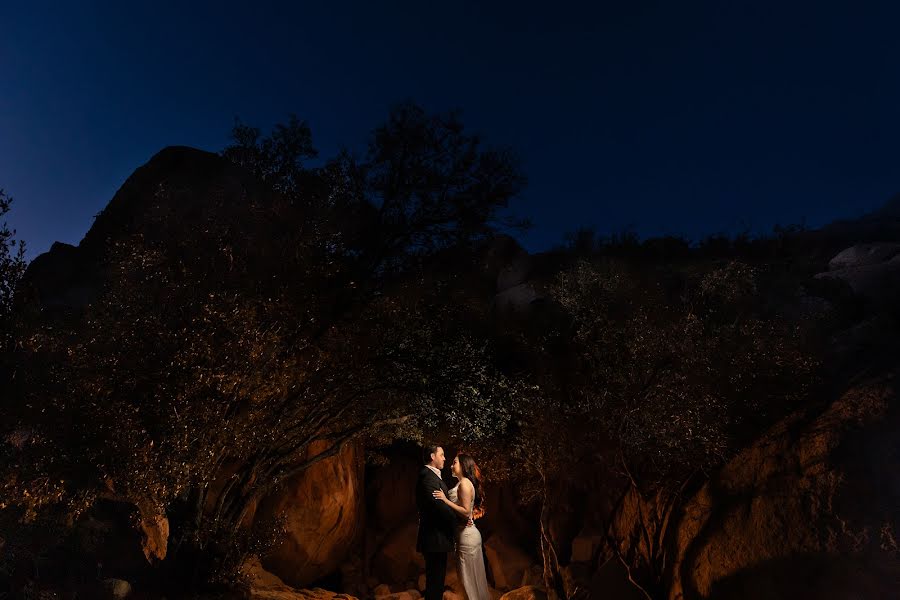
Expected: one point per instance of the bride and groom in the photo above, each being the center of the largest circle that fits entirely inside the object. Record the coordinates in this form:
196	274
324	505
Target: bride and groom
446	525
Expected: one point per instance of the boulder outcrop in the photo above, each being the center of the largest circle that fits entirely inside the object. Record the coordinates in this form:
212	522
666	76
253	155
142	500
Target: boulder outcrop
324	511
812	509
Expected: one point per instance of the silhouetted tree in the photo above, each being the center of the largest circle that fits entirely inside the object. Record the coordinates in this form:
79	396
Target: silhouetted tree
12	266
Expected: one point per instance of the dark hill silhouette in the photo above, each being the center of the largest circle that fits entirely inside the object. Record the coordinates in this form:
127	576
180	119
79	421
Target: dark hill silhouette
171	191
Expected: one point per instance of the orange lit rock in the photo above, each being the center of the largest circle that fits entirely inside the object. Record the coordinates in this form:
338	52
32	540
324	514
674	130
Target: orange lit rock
292	594
507	563
324	511
154	535
396	559
407	595
389	493
811	510
530	592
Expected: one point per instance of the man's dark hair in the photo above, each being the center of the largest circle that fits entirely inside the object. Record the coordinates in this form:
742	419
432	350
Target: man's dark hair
427	451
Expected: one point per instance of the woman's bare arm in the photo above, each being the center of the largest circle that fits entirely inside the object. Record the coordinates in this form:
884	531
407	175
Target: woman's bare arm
465	494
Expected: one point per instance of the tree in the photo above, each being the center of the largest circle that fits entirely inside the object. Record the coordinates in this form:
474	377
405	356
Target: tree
660	375
12	266
224	345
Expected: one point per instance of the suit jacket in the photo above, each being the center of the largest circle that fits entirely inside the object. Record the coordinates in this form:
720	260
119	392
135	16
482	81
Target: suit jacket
437	521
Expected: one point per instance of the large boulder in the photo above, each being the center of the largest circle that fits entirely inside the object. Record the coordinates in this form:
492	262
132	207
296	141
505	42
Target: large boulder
862	255
507	563
505	516
515	272
263	585
289	593
811	510
396	559
324	512
517	299
871	270
389	492
529	592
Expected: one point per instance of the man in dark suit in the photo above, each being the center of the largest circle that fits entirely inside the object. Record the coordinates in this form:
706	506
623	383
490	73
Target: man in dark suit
437	522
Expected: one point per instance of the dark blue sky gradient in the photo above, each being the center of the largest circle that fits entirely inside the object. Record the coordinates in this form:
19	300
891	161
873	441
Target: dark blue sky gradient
672	117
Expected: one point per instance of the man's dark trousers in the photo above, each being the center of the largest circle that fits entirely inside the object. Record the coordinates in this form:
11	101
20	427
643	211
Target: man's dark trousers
435	574
437	522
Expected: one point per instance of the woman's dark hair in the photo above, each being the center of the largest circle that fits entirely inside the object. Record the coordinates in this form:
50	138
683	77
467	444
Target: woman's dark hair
471	471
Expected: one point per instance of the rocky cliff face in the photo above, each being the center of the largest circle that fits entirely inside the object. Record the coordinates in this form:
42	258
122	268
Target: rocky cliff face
324	509
811	509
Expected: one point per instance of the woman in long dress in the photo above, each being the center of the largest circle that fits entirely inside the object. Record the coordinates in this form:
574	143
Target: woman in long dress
464	499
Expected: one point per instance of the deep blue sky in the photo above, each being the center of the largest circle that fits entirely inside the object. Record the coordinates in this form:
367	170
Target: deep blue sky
672	117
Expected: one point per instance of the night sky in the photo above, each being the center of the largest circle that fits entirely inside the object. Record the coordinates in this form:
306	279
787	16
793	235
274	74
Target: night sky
669	117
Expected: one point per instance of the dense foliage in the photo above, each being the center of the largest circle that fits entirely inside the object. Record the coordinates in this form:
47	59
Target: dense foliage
656	372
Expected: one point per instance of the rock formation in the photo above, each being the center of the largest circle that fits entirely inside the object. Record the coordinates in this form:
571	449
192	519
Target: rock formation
811	509
324	510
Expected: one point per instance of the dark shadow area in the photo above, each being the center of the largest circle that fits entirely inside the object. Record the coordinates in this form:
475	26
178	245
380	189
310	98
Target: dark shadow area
814	577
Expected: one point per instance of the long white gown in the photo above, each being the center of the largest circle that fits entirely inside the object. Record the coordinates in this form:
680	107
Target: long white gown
469	558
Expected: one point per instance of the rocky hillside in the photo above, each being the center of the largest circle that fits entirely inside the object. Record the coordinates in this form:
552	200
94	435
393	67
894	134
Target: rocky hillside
810	509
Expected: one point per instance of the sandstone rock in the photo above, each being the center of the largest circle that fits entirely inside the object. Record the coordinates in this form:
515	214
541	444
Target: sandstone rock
507	518
871	270
256	575
397	559
514	273
292	594
812	509
516	299
353	580
507	563
117	588
864	255
611	581
502	251
388	509
449	595
323	507
452	579
531	592
583	548
263	585
154	528
382	590
405	595
421	583
533	575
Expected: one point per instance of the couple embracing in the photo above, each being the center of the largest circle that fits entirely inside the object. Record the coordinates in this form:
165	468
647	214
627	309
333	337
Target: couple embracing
446	524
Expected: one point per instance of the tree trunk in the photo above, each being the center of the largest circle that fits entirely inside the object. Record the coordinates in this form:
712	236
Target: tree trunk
553	580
